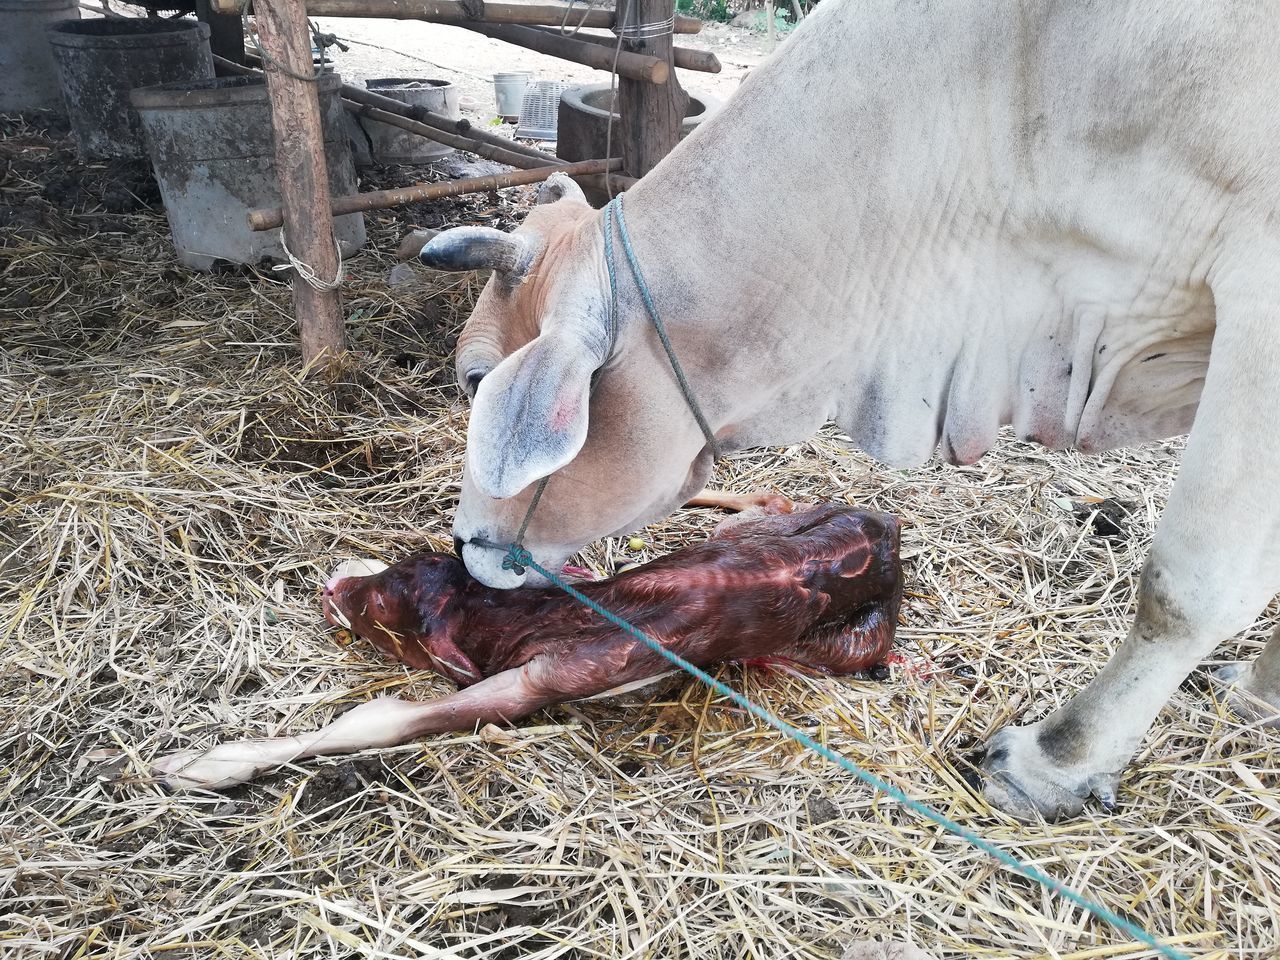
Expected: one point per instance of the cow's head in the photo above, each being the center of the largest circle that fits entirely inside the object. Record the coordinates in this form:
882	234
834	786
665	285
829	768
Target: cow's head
555	391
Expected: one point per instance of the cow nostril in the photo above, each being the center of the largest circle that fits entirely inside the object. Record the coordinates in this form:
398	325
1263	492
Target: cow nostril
458	544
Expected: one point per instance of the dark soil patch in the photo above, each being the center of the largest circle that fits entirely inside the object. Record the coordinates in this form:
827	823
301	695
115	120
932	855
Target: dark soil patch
821	810
503	211
28	221
116	186
333	784
1107	519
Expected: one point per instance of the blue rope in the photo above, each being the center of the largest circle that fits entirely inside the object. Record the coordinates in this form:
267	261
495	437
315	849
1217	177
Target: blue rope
518	558
652	310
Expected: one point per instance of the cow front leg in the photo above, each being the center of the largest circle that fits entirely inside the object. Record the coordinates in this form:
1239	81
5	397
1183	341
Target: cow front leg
1050	768
1213	567
1252	690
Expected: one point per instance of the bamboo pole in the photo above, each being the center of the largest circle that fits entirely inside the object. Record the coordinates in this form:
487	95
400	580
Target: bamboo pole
463	11
303	176
267	219
529	160
686	58
460	128
511	158
529	157
459	134
634	66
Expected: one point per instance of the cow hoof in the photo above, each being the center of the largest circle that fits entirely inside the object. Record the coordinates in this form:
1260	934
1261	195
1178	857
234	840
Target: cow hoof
1236	685
1027	785
216	769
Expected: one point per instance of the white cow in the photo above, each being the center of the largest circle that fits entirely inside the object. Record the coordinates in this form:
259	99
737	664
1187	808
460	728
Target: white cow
923	220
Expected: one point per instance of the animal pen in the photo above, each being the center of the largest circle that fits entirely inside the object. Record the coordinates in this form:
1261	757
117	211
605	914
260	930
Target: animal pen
177	476
650	106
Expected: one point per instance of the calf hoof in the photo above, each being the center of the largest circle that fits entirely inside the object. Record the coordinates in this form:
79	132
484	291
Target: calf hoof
1236	685
216	769
1026	784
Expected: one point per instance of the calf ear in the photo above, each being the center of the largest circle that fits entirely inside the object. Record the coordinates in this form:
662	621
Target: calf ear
529	416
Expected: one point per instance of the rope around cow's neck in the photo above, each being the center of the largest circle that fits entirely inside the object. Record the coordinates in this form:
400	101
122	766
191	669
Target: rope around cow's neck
652	310
518	560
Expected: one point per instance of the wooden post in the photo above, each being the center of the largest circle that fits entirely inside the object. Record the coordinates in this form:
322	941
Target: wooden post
649	115
303	174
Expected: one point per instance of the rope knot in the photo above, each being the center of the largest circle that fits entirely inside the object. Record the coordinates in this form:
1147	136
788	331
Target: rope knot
517	559
324	40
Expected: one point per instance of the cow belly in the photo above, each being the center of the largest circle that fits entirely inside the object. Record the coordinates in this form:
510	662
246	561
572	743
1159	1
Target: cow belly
1124	362
1154	396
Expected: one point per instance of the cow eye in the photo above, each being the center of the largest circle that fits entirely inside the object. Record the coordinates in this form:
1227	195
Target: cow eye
473	382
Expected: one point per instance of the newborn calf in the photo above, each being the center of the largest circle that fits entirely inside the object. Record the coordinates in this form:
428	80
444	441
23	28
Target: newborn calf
819	588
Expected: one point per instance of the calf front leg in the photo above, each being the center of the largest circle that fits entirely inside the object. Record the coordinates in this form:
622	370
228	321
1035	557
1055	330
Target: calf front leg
1214	565
575	673
384	722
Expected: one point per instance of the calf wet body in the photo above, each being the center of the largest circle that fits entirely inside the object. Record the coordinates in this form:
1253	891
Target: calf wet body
819	588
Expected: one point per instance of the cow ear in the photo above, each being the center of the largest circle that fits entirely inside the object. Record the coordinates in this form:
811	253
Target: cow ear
529	415
558	187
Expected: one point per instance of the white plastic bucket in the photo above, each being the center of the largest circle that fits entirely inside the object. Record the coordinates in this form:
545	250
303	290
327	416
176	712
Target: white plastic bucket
508	92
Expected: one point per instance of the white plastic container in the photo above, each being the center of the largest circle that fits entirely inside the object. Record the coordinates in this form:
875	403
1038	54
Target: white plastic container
508	93
539	111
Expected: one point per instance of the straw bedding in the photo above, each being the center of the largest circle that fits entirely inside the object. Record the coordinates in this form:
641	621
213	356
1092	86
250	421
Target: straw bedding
172	489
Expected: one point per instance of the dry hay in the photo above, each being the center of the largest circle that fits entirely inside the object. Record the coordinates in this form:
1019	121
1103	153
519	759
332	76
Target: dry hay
173	491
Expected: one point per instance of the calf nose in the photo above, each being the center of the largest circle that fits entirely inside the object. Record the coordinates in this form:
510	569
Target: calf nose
458	544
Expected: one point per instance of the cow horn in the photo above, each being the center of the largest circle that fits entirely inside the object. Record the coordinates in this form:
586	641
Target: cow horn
478	248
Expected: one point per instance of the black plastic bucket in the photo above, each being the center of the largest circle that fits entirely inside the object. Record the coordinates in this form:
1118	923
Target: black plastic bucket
213	154
100	61
31	79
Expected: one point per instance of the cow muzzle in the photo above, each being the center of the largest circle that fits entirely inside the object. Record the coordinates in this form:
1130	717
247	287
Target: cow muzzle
485	563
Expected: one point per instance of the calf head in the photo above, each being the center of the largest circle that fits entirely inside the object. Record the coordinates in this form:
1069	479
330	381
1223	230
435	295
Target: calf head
410	611
557	388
